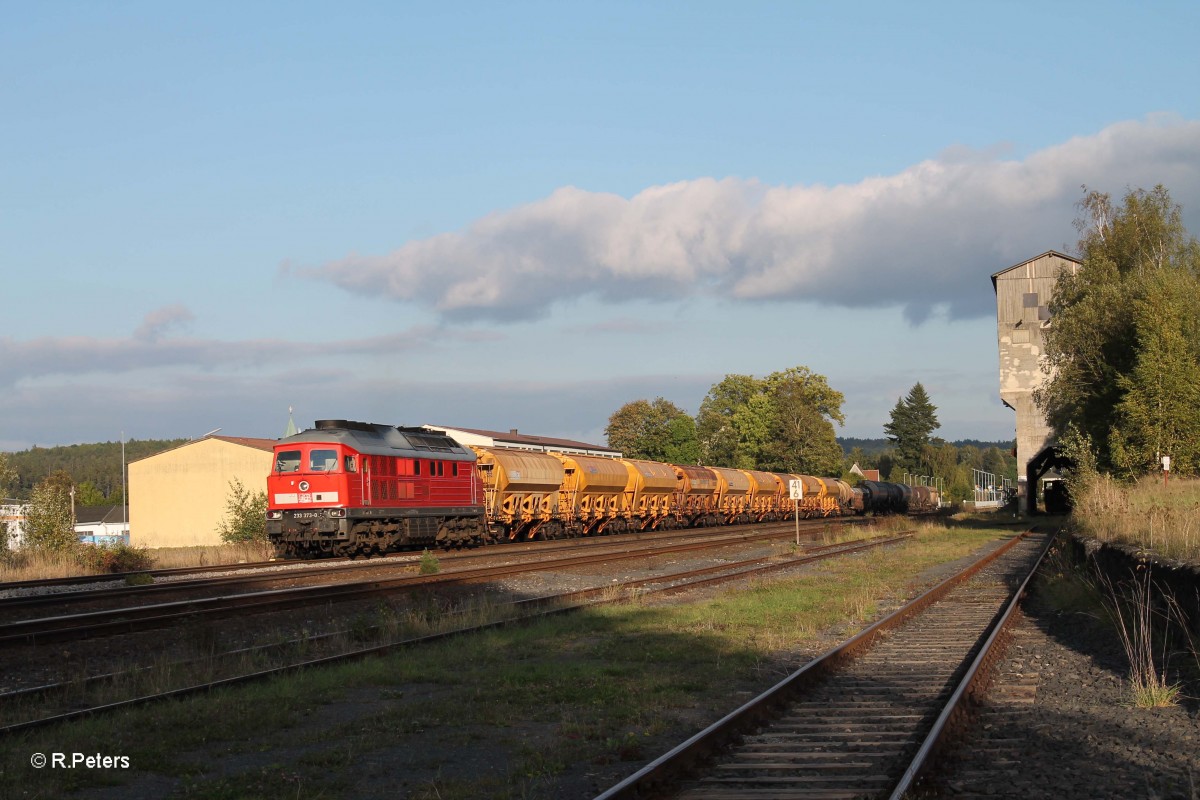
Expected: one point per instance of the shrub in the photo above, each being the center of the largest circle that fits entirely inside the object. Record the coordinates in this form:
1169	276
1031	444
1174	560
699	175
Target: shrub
246	515
114	558
429	563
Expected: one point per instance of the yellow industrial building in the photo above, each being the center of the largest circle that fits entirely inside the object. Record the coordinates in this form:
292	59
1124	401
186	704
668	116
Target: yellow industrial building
177	498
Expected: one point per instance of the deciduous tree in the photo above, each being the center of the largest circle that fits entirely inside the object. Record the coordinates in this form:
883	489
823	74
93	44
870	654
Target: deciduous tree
49	521
802	438
781	422
1123	352
658	430
725	426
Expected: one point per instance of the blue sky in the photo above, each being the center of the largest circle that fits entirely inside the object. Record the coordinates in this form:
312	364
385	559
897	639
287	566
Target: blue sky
523	215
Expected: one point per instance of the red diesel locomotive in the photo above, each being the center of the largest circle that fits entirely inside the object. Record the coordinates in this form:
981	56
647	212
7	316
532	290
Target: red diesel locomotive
358	489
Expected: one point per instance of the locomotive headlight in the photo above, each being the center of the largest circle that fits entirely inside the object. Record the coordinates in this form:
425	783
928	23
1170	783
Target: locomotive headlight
304	486
273	514
337	513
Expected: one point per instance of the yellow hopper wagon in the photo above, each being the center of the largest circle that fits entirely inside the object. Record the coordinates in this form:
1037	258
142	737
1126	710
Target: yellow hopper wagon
649	495
589	500
696	496
765	503
521	492
733	490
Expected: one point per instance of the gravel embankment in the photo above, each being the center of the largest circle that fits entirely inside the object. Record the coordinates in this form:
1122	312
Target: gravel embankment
1058	722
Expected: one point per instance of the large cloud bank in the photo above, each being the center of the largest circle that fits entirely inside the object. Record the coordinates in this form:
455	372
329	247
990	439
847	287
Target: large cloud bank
921	239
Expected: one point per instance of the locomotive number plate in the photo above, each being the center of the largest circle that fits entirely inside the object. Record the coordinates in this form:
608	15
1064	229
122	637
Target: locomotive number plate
306	514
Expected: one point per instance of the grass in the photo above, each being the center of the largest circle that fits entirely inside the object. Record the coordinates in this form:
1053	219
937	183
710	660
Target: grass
520	708
1161	519
25	565
1153	635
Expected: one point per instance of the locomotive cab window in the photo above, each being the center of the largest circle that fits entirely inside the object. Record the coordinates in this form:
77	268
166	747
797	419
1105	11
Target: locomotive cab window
351	464
323	460
287	461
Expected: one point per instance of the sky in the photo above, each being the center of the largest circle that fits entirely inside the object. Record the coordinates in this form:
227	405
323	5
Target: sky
524	215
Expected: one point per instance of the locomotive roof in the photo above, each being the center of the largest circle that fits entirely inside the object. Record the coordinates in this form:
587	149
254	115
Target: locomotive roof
384	440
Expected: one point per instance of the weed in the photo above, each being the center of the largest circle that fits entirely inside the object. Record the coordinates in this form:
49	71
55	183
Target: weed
139	579
1132	609
429	563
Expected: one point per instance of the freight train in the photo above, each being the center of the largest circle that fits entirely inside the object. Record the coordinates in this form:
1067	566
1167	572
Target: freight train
359	489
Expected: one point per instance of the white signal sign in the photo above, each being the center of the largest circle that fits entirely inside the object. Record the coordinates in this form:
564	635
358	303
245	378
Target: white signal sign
795	490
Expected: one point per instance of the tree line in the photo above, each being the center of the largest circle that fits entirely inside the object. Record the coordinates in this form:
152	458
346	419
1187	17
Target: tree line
785	423
95	469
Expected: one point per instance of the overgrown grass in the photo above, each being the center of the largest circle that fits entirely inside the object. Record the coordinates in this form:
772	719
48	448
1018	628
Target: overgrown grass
25	564
1161	519
514	708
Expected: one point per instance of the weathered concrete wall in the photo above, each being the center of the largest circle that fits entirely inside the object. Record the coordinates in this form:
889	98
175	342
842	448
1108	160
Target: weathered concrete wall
1023	294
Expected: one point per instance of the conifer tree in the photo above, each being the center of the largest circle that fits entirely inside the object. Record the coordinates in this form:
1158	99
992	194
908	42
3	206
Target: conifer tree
913	420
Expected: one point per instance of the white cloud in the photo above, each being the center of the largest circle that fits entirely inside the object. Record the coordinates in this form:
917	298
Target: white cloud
922	239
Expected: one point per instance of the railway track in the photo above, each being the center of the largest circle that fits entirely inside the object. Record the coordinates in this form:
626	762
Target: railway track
23	594
130	618
671	583
864	719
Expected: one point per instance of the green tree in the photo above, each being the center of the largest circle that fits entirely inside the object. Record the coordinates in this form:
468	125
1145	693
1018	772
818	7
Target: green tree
1159	410
781	422
941	459
659	431
245	515
683	447
912	421
725	426
49	521
970	456
86	494
800	424
8	475
1124	339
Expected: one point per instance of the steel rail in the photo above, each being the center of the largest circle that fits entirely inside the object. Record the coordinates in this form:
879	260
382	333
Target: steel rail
654	778
954	715
550	605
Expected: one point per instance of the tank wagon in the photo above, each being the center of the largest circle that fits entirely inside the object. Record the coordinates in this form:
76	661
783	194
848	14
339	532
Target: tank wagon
360	489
